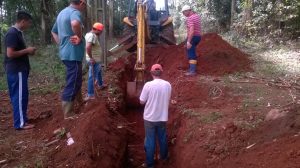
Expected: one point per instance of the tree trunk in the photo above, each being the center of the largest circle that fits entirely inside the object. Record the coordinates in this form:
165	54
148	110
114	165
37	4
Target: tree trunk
111	18
46	5
1	39
43	22
233	12
248	10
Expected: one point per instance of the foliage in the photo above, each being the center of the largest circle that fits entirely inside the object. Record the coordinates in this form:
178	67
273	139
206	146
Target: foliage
279	20
221	9
47	71
121	10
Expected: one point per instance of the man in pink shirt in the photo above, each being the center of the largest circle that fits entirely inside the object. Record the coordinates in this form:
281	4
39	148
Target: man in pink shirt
193	37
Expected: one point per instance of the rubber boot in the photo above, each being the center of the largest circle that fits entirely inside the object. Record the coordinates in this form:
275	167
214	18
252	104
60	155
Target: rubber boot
68	109
192	70
78	98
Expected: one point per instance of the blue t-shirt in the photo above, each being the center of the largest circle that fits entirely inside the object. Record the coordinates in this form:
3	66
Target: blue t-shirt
63	28
14	39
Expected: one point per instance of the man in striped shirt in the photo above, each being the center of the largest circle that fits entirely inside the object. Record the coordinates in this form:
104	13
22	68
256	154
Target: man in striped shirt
193	37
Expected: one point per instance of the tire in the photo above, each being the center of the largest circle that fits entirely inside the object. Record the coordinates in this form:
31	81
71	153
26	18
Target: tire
128	31
167	34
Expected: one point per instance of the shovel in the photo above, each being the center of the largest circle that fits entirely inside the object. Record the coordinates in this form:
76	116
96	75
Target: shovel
94	84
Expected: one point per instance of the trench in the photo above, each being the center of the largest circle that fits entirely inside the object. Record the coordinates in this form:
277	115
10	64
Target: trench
135	154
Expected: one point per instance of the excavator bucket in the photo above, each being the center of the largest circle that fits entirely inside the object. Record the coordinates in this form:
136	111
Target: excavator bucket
167	34
131	89
134	90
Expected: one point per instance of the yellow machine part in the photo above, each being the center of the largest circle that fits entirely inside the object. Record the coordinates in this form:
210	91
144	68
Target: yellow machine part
134	88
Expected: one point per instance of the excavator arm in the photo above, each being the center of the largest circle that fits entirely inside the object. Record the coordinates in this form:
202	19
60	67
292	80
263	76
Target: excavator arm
134	88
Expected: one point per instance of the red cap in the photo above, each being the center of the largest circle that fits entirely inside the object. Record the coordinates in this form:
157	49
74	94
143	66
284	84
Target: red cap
98	26
156	67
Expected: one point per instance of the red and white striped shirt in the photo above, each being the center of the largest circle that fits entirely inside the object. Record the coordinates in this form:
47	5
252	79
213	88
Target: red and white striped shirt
194	20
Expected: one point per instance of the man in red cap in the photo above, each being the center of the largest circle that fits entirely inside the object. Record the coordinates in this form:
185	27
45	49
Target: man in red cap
94	59
156	94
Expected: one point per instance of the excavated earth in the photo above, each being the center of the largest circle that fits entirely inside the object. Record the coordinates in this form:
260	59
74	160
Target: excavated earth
208	125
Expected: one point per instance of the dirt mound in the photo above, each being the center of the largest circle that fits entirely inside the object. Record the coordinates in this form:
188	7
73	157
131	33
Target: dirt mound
98	141
276	144
218	57
289	123
215	57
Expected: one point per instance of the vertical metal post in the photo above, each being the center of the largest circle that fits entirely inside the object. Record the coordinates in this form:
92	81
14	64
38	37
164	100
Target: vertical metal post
97	13
104	49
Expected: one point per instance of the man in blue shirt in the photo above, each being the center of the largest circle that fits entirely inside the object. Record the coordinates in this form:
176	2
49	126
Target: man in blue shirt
16	63
67	32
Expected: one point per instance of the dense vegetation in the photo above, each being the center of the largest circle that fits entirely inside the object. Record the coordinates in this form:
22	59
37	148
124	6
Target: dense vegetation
266	20
276	18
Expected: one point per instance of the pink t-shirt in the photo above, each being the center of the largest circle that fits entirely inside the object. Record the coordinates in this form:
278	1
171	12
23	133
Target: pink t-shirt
194	20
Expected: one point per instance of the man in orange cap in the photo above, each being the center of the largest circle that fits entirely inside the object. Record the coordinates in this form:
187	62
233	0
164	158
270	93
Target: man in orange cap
94	59
156	94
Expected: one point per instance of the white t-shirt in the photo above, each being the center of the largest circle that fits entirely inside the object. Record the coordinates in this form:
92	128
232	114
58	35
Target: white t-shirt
91	37
157	95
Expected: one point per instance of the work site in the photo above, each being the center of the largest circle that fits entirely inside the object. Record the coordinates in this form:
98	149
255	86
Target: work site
233	100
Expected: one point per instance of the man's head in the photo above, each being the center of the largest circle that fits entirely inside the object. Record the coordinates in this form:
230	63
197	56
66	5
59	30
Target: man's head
79	4
98	28
186	10
156	70
24	20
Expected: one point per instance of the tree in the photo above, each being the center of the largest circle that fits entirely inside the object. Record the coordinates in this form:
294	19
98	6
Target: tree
233	11
221	9
111	16
247	5
46	18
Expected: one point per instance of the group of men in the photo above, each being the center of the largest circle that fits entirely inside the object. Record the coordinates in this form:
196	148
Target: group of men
68	33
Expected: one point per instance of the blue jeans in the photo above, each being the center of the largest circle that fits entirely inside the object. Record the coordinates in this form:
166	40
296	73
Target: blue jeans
97	76
73	80
18	92
153	129
192	55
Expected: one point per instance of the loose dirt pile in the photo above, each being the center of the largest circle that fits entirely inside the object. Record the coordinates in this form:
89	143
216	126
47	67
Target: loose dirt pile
215	57
201	130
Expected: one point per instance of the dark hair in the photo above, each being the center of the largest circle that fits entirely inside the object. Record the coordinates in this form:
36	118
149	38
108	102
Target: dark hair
76	2
22	15
156	72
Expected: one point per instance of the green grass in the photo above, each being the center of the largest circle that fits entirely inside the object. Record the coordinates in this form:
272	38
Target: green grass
47	72
3	84
211	117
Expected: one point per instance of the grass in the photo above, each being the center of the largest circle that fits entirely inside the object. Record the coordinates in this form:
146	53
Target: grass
47	72
211	117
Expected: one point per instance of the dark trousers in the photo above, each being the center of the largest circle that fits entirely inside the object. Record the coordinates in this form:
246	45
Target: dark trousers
73	80
192	55
153	130
18	92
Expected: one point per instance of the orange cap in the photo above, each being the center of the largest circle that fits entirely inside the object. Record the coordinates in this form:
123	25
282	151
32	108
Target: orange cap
156	67
98	26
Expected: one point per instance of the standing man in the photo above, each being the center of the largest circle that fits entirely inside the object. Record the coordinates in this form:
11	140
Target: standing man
156	95
94	59
17	67
193	37
67	32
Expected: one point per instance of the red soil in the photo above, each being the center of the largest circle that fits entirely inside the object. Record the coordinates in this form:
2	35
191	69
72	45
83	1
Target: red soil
100	143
